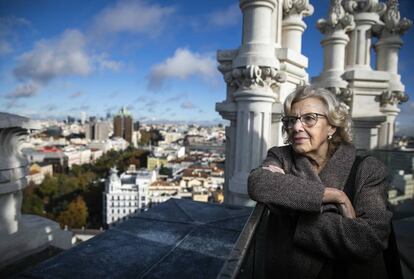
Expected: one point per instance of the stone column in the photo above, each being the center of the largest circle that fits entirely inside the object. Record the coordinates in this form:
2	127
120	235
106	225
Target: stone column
258	40
387	49
276	31
254	99
366	14
334	28
389	106
251	74
227	110
292	25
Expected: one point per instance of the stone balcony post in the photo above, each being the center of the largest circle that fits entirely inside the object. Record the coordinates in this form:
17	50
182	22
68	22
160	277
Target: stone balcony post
366	14
254	99
13	171
252	76
387	50
258	34
334	28
293	25
389	43
20	235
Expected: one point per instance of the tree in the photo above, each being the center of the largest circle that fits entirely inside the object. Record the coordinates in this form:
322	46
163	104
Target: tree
49	187
145	137
32	203
165	171
75	215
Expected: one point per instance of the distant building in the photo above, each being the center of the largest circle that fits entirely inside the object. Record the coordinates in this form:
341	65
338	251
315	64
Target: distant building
77	156
124	125
136	126
49	155
156	162
38	171
71	120
83	117
97	130
126	194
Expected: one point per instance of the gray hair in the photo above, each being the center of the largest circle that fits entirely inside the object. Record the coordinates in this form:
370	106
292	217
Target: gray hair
337	112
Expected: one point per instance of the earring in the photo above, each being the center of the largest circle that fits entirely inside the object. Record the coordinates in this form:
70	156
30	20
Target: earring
329	137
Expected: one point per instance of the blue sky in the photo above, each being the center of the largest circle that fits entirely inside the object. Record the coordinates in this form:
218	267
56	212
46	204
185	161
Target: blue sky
157	57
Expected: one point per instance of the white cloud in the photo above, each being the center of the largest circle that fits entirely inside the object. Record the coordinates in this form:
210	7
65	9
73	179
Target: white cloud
57	57
8	32
405	120
25	90
132	17
104	63
182	65
228	17
187	105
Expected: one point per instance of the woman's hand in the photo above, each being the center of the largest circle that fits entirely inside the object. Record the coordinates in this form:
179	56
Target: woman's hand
333	195
274	168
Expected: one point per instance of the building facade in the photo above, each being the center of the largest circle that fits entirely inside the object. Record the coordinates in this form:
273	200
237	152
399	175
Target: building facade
124	125
97	131
269	65
127	194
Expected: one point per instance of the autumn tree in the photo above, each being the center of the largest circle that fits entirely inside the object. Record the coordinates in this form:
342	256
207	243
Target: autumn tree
75	215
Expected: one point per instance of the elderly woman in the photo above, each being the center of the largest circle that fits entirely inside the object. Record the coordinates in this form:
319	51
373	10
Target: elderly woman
315	229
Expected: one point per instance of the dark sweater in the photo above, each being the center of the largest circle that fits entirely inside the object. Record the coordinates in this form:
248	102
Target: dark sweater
306	237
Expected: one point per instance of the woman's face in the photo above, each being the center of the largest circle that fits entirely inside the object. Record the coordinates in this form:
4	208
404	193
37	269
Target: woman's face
310	141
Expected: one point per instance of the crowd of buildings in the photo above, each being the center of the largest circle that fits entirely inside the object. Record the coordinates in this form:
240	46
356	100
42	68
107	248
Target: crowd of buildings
186	162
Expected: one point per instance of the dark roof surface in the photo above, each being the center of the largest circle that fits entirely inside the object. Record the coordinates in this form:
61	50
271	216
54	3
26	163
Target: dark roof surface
176	239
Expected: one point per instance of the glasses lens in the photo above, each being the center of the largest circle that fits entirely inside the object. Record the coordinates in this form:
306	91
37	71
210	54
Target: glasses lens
289	121
309	119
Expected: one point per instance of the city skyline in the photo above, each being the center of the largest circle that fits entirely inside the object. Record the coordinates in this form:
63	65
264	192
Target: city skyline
59	58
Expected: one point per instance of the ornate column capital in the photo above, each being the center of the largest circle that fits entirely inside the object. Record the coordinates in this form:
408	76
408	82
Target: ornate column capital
393	23
338	19
389	97
343	94
297	7
364	6
253	76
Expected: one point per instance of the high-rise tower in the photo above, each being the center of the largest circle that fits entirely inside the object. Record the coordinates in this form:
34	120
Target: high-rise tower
124	125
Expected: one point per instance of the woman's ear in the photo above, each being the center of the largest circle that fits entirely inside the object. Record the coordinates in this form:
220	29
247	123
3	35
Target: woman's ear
332	130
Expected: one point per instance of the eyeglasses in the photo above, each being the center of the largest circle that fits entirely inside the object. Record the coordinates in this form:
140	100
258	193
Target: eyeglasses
307	120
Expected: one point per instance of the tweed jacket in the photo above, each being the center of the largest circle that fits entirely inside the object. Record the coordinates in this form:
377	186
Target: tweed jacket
306	238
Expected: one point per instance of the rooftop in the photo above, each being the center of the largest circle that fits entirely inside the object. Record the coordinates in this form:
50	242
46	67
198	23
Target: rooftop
176	239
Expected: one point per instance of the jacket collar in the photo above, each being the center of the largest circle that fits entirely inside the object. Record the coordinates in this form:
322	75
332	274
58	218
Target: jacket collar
337	169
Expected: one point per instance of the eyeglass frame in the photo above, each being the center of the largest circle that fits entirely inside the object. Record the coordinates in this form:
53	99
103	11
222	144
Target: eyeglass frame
300	119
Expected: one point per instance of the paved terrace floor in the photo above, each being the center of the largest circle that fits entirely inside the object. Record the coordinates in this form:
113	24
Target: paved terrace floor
176	239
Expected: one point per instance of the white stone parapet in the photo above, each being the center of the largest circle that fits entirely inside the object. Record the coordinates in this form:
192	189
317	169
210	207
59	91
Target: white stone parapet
20	235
